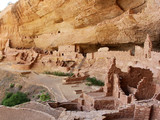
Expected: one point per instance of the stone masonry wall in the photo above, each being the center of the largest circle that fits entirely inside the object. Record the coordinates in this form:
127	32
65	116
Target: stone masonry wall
142	111
126	112
155	111
66	48
145	90
118	92
133	77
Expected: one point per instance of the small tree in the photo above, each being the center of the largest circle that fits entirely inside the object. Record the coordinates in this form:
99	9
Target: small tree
12	99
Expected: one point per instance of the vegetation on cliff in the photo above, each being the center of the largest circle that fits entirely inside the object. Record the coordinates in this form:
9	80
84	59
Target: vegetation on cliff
12	99
57	73
94	81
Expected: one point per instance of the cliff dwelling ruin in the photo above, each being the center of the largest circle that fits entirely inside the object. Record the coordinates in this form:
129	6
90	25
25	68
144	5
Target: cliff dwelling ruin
80	60
129	79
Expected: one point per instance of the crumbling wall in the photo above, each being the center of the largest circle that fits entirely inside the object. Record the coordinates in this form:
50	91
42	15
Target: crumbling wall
155	112
67	48
90	56
145	90
119	93
24	58
68	55
124	112
116	87
139	52
96	101
135	75
126	79
89	102
122	85
98	68
142	111
104	103
108	88
70	52
147	47
119	55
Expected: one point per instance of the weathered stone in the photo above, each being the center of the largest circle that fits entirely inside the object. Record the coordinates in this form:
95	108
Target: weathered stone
48	24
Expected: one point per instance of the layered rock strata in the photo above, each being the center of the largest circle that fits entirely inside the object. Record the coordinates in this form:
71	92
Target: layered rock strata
49	23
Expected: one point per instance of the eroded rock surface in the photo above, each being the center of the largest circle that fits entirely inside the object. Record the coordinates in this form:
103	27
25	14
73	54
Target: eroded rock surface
19	114
49	23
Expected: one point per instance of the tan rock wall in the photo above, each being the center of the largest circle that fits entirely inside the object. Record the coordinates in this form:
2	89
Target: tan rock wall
47	24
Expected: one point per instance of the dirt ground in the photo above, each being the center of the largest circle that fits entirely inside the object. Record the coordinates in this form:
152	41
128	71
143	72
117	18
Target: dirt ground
7	78
34	83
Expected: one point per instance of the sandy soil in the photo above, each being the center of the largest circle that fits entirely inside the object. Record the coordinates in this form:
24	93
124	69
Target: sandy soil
54	84
7	78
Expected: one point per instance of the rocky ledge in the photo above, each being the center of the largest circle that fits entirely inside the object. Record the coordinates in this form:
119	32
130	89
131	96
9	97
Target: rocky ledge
49	23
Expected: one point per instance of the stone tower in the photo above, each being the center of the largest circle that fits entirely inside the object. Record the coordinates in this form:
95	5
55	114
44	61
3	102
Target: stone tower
147	47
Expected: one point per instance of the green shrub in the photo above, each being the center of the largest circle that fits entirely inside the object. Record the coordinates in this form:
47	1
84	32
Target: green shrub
57	73
12	85
8	95
45	97
12	99
94	81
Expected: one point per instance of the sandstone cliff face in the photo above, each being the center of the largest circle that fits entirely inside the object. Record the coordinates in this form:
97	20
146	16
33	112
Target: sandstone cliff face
49	23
